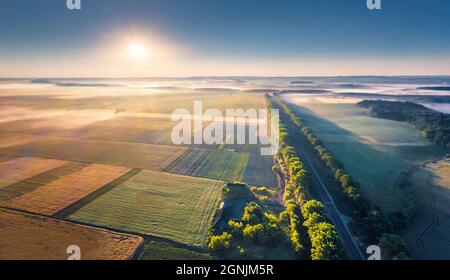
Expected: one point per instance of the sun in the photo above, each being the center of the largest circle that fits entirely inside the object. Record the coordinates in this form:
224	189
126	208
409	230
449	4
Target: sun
137	51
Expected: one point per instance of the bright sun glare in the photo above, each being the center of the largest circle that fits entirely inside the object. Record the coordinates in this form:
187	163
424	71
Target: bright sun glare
137	51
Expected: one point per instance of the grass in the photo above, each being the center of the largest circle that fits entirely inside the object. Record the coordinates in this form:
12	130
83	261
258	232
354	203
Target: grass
224	165
87	199
427	237
377	153
33	237
176	207
160	250
220	165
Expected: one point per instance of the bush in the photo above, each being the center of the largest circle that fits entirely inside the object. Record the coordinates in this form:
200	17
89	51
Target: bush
220	242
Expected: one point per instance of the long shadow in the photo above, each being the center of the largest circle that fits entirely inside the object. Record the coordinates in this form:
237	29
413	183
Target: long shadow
377	169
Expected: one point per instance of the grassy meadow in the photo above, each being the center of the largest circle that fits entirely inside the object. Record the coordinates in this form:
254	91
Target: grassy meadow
224	165
375	152
176	207
160	250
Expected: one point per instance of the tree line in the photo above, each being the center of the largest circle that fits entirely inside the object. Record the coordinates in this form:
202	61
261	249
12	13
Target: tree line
312	234
434	125
370	224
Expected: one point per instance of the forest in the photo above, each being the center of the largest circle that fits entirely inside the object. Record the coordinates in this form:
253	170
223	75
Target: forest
434	125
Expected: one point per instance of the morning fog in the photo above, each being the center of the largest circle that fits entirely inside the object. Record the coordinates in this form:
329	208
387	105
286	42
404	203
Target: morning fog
237	126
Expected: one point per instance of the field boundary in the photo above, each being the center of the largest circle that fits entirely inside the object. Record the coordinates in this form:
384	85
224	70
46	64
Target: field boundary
86	200
176	161
65	169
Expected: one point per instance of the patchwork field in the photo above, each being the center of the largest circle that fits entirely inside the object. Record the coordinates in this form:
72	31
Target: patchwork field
59	194
19	169
176	207
32	237
99	139
145	156
227	166
377	153
30	184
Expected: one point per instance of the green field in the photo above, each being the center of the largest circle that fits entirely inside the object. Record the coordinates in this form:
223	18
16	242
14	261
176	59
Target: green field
160	250
225	165
176	207
377	153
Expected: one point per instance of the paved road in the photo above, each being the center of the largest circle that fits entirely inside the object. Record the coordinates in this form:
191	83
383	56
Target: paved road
332	211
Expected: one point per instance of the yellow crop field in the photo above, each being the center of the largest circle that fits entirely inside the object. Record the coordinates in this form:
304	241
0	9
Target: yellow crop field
133	155
19	169
57	195
33	237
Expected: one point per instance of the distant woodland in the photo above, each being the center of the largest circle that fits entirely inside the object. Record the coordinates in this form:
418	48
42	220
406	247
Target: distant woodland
434	125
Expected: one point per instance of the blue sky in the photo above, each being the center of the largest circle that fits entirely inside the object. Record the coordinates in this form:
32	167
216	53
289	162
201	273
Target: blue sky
218	37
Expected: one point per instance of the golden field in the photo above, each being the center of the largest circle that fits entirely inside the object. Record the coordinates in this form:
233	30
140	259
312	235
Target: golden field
57	195
19	169
32	237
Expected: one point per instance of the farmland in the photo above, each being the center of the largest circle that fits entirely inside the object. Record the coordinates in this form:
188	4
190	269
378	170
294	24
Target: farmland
32	183
172	206
225	165
161	250
427	236
58	194
377	153
145	156
221	165
19	169
98	157
33	237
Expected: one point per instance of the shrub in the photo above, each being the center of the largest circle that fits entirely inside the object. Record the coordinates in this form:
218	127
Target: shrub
220	242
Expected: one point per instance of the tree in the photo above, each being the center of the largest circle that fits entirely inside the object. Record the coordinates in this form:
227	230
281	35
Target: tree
263	234
393	247
378	224
312	206
253	214
235	228
325	241
220	242
254	233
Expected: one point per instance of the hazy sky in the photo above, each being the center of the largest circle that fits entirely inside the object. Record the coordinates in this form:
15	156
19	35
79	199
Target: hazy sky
41	38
